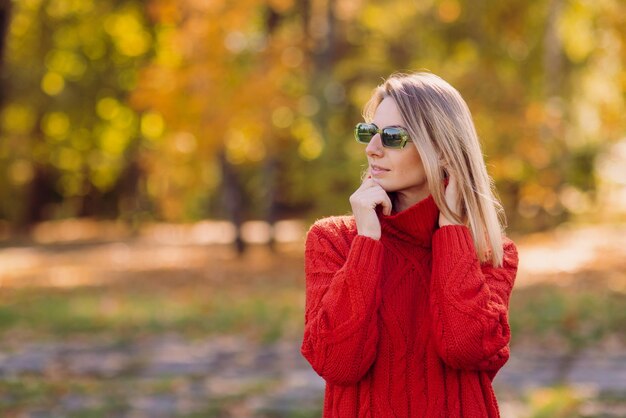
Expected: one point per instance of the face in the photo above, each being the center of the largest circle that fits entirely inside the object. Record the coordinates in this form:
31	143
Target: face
403	169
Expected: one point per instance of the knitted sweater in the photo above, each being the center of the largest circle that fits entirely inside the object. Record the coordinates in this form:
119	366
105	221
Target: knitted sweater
411	325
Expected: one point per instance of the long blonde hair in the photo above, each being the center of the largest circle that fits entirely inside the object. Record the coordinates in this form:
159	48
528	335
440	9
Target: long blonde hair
441	127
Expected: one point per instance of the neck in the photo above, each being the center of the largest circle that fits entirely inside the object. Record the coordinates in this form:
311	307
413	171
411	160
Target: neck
401	200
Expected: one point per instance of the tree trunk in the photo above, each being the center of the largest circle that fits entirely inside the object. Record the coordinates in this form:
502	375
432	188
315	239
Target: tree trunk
232	199
5	19
270	171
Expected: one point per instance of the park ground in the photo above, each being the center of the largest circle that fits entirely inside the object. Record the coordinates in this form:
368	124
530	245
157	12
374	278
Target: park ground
159	324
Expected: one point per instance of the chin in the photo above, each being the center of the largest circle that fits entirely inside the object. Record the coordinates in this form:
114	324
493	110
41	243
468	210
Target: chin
389	189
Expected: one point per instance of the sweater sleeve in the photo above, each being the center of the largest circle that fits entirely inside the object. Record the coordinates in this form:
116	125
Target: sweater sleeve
342	300
469	302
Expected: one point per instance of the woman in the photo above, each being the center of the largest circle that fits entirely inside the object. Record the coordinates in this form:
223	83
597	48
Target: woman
407	299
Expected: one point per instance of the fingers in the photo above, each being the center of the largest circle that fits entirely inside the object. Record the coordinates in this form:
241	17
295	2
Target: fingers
378	196
370	195
369	182
452	194
386	204
382	194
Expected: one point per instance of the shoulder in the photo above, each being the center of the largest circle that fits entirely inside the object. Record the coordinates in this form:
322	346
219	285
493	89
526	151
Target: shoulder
331	231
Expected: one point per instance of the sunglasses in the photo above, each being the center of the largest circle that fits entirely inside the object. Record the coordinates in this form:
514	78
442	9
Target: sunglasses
391	136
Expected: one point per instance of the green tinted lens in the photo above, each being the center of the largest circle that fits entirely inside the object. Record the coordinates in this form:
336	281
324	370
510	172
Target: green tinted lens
364	132
394	137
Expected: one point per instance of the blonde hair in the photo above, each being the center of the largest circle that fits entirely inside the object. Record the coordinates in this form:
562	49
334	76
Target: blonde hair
441	128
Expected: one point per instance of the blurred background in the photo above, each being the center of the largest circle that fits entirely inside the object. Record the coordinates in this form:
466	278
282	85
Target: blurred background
161	161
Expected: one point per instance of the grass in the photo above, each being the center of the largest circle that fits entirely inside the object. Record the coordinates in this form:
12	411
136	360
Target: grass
35	393
262	314
250	301
104	397
575	316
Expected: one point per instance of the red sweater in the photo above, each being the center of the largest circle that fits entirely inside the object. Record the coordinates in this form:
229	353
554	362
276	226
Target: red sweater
411	325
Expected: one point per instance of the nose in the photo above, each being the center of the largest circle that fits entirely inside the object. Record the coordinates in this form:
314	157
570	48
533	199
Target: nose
375	146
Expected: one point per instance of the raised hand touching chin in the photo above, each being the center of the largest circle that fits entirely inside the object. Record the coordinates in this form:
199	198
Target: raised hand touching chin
364	201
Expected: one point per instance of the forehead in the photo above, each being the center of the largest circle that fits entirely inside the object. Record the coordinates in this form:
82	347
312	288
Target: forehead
387	114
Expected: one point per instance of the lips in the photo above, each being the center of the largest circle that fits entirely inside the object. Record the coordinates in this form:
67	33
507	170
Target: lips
377	171
379	168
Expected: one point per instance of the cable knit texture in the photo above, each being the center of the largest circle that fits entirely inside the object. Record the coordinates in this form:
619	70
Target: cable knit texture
411	325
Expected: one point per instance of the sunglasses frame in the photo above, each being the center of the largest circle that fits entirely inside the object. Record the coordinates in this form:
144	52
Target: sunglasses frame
403	132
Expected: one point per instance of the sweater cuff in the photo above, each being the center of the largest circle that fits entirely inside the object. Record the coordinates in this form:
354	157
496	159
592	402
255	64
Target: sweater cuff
365	256
453	241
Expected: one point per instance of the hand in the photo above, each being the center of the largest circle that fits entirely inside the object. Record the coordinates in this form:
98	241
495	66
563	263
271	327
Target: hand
364	201
452	199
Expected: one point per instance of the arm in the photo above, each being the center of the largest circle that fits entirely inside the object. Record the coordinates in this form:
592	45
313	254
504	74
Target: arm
469	302
342	300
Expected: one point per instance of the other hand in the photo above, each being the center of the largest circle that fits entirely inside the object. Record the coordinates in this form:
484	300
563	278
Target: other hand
452	199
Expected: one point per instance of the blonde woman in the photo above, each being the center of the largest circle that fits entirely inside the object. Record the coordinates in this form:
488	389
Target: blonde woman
407	299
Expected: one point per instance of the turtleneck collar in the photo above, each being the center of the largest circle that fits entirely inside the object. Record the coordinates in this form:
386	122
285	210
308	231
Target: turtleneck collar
415	224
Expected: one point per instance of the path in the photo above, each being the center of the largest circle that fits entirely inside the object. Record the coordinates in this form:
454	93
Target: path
275	379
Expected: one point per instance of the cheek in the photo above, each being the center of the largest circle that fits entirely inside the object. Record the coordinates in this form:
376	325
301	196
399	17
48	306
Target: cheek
411	165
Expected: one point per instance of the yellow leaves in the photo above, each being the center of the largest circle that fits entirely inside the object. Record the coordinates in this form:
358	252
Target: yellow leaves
390	20
55	125
533	197
128	34
534	151
167	49
383	20
576	30
115	135
18	119
311	148
347	9
235	41
292	57
20	172
80	139
66	63
103	178
311	141
448	11
152	125
510	167
244	145
68	37
60	9
31	4
281	6
558	402
21	24
52	83
308	105
113	140
185	142
282	117
67	159
107	108
588	117
466	53
120	116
